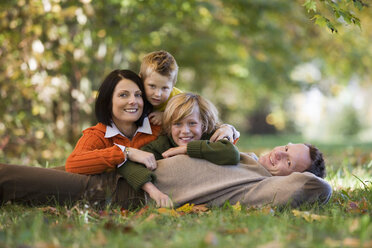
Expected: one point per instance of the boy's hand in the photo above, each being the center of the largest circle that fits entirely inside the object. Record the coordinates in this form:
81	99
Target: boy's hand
174	151
162	200
156	118
146	158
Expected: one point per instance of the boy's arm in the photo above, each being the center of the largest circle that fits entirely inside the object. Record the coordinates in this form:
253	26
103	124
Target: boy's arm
222	152
158	146
136	174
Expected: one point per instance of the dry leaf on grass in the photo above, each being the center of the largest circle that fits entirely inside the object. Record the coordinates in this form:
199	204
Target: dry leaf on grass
167	211
309	217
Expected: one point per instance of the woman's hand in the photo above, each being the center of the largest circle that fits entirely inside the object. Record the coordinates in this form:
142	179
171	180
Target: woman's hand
146	158
162	200
174	151
156	118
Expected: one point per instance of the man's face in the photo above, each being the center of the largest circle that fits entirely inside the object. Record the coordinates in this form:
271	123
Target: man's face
283	160
157	88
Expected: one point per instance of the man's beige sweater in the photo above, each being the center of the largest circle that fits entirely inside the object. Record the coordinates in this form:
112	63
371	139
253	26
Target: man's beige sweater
191	180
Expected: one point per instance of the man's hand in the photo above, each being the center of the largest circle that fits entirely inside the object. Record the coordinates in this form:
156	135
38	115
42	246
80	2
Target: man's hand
146	158
174	151
156	118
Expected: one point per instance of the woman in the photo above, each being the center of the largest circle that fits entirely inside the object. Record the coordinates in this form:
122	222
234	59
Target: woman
122	127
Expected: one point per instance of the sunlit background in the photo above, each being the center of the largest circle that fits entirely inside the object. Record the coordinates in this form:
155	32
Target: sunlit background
268	67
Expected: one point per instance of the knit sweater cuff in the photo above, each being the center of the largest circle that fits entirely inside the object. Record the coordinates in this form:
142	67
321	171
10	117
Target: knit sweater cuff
194	149
137	181
136	175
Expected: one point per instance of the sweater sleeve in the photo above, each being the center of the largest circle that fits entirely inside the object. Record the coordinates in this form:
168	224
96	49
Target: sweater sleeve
92	155
136	174
222	152
158	146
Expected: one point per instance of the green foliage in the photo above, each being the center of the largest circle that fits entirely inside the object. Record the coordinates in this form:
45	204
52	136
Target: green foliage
54	55
343	9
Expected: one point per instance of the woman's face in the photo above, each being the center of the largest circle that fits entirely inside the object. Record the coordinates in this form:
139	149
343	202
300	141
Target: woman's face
187	129
127	102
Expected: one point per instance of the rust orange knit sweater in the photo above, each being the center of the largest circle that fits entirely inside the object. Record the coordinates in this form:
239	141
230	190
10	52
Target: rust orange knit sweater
94	154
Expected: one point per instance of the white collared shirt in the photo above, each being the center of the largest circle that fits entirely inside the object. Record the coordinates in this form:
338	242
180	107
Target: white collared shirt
113	131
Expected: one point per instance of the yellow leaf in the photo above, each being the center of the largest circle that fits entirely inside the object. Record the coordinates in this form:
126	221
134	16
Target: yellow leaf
167	211
308	216
237	207
187	208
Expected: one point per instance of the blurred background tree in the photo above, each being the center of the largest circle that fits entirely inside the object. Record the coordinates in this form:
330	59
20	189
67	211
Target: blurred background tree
265	64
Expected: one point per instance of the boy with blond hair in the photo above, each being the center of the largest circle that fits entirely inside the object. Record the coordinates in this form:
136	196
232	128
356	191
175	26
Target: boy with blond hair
159	72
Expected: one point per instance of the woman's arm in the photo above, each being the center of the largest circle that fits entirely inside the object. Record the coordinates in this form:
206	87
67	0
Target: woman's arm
93	155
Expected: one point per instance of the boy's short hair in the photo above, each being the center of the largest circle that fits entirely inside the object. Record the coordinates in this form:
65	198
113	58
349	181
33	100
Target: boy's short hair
182	105
161	62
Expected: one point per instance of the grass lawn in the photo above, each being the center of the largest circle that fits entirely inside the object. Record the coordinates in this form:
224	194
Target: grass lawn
346	221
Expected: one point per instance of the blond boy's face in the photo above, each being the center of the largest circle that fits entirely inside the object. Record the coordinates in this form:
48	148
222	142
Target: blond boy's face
157	88
187	129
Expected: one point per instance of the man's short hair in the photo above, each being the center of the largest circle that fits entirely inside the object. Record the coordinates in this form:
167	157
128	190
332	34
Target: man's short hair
317	166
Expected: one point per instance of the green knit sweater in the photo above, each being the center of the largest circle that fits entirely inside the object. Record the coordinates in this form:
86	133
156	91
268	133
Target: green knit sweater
221	152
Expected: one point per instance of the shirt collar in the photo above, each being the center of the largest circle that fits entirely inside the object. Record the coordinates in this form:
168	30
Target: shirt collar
113	130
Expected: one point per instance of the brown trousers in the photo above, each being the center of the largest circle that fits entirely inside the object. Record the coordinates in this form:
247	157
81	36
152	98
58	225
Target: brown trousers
40	186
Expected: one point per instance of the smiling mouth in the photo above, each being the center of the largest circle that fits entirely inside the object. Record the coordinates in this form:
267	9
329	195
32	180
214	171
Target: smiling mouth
185	139
130	110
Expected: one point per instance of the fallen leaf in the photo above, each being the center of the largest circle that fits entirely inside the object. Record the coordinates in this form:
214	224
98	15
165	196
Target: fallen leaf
167	211
142	211
124	212
200	208
186	208
151	217
50	210
237	207
308	216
